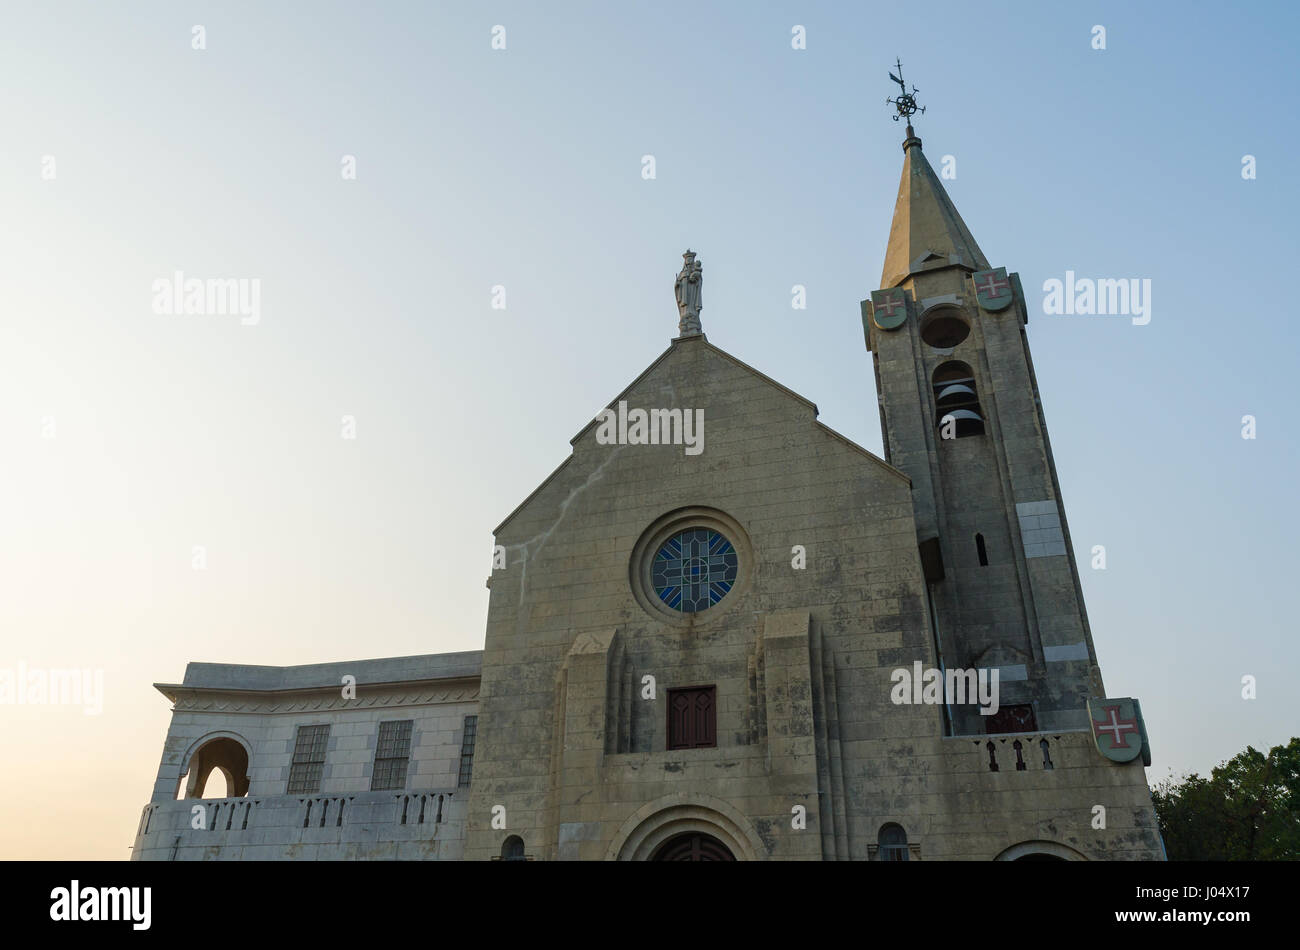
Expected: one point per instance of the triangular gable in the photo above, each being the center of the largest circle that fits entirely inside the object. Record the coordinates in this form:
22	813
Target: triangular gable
700	340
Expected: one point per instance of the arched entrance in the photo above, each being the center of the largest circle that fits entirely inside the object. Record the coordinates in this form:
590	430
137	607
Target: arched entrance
684	827
693	846
224	752
1039	851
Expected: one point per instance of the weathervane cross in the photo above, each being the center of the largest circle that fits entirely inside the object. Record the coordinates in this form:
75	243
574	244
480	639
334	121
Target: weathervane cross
906	101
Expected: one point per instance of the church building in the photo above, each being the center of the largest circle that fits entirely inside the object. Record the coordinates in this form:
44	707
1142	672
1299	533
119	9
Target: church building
722	631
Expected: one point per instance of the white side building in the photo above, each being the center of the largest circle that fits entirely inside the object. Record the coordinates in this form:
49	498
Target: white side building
316	770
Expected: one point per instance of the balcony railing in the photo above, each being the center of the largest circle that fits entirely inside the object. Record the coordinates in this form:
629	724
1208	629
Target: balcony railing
171	830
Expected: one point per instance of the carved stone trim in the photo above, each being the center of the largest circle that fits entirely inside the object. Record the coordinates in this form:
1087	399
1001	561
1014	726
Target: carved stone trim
205	701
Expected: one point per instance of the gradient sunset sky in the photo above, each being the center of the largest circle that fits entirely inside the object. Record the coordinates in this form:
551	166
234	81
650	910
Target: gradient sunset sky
523	168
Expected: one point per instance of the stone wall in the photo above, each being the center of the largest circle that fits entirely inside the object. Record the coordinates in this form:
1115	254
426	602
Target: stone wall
800	657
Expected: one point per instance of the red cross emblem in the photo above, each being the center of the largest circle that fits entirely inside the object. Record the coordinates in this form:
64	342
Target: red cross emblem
1118	729
1114	722
994	286
890	308
889	305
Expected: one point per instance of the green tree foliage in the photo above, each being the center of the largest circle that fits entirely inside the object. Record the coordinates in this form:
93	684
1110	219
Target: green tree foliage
1247	810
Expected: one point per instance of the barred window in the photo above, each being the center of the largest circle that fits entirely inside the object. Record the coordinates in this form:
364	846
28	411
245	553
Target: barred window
467	750
392	755
308	759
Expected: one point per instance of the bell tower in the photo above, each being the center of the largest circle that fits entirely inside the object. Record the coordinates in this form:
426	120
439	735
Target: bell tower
960	414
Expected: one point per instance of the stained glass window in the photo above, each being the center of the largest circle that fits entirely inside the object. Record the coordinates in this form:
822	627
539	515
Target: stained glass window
694	570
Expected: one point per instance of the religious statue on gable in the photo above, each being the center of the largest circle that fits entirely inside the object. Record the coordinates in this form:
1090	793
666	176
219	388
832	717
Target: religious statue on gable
688	294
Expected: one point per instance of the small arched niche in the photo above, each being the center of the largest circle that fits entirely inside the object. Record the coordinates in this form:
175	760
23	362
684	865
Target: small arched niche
891	843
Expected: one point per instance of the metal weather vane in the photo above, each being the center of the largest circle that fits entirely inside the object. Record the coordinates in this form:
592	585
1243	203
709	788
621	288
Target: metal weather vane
906	101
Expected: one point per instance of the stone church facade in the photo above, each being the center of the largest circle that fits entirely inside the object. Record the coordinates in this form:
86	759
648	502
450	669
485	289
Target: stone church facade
709	631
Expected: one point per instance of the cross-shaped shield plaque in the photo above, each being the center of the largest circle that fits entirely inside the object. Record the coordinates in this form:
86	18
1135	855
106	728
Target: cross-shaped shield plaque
993	289
889	308
1117	729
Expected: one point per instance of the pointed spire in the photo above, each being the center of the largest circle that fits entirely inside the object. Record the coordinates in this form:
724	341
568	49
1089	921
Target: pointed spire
927	227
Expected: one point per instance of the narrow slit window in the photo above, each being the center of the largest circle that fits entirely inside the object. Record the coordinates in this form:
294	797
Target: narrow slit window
982	550
468	738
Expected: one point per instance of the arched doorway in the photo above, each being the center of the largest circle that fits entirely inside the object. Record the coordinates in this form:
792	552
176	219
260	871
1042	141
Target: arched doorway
656	829
1039	851
693	846
224	753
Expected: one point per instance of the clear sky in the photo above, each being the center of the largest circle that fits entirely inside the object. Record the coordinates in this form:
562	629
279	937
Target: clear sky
131	437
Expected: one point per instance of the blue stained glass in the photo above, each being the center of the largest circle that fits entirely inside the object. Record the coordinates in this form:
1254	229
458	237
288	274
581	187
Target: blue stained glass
694	570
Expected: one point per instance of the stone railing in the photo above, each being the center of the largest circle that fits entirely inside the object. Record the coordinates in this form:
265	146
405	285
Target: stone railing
359	825
1021	751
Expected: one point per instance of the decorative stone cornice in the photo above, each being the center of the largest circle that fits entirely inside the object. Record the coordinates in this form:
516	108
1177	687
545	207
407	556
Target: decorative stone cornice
230	701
